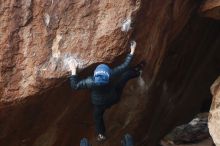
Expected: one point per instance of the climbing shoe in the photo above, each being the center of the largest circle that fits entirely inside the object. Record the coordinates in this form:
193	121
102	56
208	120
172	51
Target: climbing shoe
139	66
101	138
127	140
84	142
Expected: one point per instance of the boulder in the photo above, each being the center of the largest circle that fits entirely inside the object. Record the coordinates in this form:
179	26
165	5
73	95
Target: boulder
215	112
190	133
38	39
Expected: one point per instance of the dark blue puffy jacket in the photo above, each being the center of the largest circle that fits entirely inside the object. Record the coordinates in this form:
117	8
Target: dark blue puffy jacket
101	95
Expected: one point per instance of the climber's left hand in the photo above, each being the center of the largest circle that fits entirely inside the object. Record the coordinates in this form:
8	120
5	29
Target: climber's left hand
133	46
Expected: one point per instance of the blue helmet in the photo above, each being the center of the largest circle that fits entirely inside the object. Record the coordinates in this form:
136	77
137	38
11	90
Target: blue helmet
102	74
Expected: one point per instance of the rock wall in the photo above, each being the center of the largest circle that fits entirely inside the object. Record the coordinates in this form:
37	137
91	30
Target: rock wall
38	38
214	113
181	87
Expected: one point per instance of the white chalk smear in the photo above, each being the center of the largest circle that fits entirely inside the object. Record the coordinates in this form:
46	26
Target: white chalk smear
55	47
141	82
194	122
27	3
46	19
126	26
70	59
63	63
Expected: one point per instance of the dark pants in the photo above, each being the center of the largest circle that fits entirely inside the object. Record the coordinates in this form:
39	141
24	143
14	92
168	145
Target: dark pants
100	109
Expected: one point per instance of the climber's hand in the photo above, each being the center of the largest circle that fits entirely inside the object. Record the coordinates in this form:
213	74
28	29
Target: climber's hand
73	68
133	46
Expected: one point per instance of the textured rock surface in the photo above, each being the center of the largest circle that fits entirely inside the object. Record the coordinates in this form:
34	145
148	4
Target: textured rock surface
193	132
39	37
214	119
211	8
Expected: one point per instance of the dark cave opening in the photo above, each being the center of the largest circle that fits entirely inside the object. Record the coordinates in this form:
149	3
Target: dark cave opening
182	87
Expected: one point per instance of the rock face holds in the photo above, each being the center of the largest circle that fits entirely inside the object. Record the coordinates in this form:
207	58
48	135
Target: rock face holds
38	38
214	119
211	8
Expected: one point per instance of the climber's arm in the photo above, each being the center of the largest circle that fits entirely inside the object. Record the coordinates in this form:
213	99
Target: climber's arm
124	66
76	83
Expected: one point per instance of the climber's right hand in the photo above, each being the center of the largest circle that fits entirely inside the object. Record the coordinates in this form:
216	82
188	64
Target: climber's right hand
133	46
73	68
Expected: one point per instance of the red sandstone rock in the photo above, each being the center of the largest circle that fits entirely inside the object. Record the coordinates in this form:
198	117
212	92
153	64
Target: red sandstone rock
37	37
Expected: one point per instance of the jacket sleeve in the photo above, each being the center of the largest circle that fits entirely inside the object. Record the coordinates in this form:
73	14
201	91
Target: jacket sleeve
77	84
123	67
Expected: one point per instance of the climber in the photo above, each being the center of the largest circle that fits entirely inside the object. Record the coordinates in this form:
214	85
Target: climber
106	91
126	141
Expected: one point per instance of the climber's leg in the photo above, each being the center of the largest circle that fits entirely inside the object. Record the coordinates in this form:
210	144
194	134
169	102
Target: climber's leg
125	77
129	74
99	121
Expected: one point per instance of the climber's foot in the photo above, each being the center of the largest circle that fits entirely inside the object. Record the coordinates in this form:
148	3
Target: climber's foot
84	142
101	138
127	140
